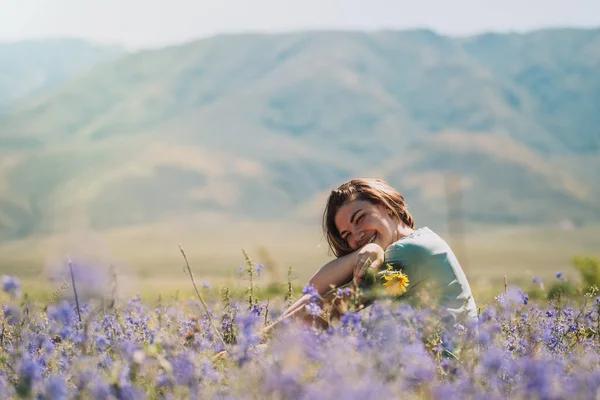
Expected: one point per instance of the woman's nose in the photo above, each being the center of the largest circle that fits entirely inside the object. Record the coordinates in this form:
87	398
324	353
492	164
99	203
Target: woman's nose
359	235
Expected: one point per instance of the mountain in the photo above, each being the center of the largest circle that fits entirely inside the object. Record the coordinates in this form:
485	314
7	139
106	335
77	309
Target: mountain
29	68
260	127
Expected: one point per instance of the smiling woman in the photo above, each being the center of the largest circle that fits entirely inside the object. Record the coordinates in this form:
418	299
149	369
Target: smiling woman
368	226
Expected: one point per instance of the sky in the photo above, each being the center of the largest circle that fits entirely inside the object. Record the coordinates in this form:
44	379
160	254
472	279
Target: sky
154	23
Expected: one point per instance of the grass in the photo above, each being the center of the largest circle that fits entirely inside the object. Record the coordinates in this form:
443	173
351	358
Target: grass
152	266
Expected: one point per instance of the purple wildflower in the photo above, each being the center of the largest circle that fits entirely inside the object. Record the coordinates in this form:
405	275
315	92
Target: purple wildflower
100	390
56	388
259	268
184	369
63	313
101	343
256	309
501	299
163	380
11	285
313	309
524	298
310	290
208	372
12	314
7	390
351	320
128	392
29	372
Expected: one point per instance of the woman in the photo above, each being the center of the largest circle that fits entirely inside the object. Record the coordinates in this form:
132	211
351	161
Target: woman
368	225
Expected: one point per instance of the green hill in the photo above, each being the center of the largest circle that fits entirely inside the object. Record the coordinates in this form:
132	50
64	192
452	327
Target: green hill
260	127
33	67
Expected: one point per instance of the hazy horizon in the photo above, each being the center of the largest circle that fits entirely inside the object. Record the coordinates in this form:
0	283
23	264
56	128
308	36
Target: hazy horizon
160	24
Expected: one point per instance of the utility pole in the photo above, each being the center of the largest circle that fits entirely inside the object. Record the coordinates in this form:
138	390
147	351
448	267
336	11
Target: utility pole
455	217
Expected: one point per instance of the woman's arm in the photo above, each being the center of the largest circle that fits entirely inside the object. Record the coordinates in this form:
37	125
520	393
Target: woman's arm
351	266
336	272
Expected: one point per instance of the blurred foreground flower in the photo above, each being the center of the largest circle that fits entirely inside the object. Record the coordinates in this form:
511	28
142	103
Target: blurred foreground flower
517	348
311	291
11	285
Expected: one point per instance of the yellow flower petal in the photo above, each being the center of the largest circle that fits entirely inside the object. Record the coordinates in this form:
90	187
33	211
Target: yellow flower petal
396	283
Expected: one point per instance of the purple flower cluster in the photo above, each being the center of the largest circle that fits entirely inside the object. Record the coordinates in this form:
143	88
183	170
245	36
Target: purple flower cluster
11	285
310	290
517	348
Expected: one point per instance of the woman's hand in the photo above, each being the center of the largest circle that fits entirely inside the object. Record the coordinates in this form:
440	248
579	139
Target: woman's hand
369	256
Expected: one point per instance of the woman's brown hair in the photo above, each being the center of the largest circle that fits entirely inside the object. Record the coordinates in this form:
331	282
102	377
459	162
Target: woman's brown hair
375	191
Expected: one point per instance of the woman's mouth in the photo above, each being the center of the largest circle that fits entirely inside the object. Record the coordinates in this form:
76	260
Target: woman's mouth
373	238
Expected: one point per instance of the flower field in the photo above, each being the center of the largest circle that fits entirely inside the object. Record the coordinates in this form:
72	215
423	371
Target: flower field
102	348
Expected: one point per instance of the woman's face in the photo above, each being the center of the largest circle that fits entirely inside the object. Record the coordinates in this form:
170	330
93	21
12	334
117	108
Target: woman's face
360	222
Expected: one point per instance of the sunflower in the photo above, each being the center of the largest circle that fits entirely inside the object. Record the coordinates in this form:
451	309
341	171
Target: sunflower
395	283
